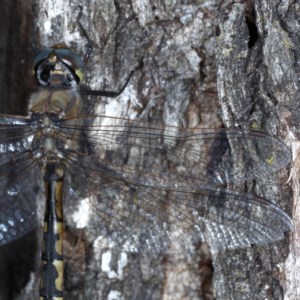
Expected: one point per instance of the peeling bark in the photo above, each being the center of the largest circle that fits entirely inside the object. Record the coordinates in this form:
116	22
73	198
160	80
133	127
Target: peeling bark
202	59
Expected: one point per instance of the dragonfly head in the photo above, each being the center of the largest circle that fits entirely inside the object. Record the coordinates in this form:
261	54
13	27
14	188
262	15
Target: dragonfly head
58	67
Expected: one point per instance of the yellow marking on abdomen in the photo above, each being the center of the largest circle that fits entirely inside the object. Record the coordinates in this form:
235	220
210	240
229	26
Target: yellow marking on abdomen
59	266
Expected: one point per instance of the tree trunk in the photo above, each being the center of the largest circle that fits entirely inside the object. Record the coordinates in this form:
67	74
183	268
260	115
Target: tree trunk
205	64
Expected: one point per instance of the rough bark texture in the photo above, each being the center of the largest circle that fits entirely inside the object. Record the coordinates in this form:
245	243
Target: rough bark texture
201	60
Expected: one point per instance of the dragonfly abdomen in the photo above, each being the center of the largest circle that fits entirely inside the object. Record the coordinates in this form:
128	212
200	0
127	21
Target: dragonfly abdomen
51	285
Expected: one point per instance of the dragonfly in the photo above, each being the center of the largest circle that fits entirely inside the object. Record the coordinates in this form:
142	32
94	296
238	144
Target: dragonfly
155	188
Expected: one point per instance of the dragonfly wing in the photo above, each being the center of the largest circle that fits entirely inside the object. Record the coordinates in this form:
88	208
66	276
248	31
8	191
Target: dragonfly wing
126	217
172	176
15	134
18	195
222	155
19	179
153	212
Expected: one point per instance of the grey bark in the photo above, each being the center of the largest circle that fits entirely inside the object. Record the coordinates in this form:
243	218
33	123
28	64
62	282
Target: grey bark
259	84
205	63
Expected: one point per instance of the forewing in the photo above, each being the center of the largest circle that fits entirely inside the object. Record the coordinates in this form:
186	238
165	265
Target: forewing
221	155
156	188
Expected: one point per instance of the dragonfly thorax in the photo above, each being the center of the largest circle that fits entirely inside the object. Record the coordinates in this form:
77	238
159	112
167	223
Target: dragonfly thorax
60	101
48	146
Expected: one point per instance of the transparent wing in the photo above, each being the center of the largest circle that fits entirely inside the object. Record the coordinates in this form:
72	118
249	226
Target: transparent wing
156	212
153	187
18	179
205	153
143	206
15	134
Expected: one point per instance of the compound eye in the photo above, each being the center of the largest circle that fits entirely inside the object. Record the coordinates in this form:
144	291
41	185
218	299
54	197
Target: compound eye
46	72
40	57
72	60
67	62
45	60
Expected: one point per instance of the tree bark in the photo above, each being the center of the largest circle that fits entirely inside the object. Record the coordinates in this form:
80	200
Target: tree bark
205	64
258	83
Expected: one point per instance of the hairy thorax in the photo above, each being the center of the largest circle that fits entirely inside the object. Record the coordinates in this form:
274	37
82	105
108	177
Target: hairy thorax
48	108
56	100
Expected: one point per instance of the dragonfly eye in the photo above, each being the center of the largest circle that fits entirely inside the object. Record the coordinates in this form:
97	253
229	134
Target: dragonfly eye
52	59
73	61
46	71
67	62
